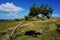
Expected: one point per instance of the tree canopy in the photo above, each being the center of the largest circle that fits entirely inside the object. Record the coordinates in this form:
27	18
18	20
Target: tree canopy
44	9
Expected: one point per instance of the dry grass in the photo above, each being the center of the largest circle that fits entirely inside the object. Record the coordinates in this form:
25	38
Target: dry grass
46	27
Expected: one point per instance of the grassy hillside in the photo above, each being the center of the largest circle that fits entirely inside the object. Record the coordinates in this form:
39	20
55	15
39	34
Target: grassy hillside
36	29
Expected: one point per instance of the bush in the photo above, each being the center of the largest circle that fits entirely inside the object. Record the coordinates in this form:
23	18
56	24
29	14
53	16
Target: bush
26	18
17	19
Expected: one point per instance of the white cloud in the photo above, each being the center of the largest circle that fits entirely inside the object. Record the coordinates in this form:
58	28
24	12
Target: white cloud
10	7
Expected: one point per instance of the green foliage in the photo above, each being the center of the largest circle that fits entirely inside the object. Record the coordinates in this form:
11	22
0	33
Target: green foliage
43	9
21	19
33	11
17	19
26	18
46	10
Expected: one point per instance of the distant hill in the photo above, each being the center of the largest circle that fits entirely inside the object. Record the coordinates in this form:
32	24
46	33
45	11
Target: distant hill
2	20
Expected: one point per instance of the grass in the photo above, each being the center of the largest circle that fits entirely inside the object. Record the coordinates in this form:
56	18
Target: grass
46	27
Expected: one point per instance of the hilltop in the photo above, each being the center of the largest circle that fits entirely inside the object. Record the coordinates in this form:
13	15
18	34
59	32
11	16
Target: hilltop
34	29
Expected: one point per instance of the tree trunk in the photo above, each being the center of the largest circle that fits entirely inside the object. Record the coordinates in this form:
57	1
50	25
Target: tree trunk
13	31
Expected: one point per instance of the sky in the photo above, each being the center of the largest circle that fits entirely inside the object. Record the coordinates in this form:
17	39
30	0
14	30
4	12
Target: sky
12	9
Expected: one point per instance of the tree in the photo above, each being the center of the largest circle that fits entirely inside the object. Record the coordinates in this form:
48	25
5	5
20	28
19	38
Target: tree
33	11
45	10
15	28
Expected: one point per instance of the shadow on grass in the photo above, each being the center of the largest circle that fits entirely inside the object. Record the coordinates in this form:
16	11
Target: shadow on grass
2	33
32	33
58	28
29	33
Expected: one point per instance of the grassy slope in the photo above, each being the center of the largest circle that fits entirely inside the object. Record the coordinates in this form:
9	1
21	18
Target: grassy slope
47	28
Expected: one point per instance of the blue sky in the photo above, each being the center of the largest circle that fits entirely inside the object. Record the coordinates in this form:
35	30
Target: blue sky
11	9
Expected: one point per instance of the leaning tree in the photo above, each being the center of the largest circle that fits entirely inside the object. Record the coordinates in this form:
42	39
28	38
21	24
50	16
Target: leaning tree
33	11
10	36
45	10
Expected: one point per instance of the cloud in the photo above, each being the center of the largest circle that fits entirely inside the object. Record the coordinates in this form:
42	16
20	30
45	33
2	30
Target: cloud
10	7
